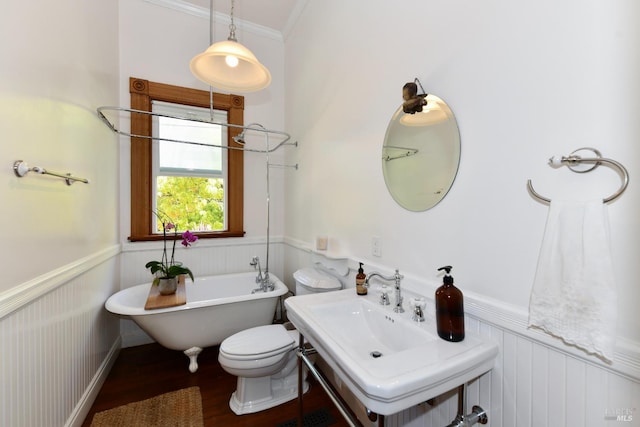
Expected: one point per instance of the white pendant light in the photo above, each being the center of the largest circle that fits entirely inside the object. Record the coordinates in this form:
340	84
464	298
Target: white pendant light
228	65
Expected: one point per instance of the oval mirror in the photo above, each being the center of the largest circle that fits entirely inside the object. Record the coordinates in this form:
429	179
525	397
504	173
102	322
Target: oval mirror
420	155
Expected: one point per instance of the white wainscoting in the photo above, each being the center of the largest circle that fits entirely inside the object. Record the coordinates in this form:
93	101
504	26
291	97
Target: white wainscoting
536	382
57	343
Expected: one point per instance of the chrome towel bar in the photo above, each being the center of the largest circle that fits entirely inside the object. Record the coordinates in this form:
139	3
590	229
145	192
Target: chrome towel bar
20	168
573	160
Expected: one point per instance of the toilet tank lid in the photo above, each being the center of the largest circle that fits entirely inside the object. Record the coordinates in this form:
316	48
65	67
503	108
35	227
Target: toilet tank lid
259	340
314	278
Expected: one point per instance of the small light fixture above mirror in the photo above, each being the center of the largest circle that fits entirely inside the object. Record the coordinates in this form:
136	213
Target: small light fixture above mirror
419	109
228	65
413	101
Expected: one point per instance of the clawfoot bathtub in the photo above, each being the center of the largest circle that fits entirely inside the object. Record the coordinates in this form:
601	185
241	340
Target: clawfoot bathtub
217	307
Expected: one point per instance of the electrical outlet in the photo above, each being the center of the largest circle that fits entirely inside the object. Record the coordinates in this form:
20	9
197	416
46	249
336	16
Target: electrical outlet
375	246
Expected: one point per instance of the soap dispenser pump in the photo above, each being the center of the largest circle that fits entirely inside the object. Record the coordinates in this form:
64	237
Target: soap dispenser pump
449	309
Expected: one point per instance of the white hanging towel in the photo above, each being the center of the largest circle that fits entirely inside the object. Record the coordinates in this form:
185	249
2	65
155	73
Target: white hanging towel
573	295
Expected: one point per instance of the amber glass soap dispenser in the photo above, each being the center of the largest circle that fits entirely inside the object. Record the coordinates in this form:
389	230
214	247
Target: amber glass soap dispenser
361	278
449	309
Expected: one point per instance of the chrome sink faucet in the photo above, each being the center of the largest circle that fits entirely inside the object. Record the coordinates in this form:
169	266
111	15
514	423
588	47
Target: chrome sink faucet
396	278
261	279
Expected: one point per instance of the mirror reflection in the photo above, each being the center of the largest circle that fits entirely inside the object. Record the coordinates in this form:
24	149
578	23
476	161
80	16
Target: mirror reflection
421	151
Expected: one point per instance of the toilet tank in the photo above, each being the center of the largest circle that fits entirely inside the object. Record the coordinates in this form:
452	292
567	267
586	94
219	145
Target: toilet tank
312	280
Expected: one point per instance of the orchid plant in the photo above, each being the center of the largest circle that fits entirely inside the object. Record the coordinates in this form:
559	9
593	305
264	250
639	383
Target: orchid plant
167	267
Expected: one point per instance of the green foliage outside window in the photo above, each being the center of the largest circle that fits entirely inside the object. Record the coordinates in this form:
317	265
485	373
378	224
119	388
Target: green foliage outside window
195	204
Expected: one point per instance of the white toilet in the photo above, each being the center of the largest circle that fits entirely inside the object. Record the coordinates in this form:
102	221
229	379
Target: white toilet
264	358
312	280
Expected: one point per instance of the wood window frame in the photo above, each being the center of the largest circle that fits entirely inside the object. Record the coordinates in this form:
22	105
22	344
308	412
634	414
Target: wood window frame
143	92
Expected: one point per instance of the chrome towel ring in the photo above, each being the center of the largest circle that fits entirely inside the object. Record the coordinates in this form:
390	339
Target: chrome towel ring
574	161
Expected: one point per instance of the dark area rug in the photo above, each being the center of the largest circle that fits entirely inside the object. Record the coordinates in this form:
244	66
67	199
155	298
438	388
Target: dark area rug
318	418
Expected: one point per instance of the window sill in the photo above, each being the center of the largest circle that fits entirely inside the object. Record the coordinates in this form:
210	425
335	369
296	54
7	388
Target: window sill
201	235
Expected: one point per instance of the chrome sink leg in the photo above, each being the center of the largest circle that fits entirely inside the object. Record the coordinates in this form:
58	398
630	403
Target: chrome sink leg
342	407
300	381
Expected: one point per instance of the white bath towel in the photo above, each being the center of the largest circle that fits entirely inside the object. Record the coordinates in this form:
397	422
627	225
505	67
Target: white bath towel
573	295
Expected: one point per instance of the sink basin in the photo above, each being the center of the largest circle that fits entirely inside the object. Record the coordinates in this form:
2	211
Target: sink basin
366	332
387	360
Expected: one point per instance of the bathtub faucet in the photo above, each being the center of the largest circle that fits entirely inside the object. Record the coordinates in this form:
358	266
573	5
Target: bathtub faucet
261	279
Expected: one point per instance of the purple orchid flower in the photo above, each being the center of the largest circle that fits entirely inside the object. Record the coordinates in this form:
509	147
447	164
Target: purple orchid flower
188	238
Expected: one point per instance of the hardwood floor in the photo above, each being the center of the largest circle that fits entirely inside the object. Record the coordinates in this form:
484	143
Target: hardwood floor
146	371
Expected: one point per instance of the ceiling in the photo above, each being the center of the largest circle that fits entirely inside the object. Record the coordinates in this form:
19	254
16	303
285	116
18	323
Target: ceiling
274	14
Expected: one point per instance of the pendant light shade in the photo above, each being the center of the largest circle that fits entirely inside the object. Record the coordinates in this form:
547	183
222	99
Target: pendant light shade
228	65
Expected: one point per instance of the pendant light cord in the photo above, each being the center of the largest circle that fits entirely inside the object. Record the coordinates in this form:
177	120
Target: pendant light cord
210	43
210	22
232	26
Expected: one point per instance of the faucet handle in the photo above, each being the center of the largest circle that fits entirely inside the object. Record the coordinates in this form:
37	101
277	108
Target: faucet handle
418	302
418	305
384	295
384	299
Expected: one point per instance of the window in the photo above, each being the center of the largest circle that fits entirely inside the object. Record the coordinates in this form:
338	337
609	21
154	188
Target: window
190	180
156	166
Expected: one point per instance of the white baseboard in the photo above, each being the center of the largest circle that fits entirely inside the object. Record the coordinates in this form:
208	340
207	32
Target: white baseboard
83	407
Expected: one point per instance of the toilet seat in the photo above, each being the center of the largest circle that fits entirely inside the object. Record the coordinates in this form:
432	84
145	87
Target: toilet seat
261	342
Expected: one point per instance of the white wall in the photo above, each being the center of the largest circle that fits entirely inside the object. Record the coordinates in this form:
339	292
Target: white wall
54	74
157	44
525	81
59	243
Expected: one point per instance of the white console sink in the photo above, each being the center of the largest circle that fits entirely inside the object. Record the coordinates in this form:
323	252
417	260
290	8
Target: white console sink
387	360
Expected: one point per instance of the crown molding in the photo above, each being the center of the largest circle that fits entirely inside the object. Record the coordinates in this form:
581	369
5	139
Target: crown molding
220	18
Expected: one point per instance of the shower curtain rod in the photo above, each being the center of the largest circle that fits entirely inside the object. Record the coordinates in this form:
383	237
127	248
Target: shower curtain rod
111	126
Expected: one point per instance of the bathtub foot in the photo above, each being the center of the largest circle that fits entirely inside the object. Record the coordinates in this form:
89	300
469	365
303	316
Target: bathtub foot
192	354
